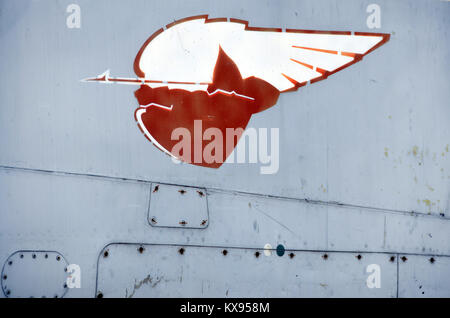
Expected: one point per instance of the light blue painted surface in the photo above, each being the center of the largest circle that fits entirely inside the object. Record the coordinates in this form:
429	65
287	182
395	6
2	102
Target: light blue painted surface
333	139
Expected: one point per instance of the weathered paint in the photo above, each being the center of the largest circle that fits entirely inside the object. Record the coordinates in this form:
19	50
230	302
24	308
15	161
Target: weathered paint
364	156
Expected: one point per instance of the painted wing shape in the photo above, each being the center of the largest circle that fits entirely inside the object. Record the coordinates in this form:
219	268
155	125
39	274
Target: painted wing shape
186	51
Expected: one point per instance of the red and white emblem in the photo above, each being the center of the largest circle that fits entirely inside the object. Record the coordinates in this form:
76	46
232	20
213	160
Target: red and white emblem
221	71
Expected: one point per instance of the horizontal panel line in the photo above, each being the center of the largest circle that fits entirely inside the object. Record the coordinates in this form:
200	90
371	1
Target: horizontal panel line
228	191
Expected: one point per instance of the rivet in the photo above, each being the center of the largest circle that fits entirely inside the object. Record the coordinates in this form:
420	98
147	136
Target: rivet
225	252
10	263
257	254
105	254
392	258
359	256
5	277
291	255
182	191
156	189
404	259
181	251
58	258
34	256
141	249
100	295
432	260
325	256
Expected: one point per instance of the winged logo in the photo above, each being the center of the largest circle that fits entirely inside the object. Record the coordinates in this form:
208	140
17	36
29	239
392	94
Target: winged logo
221	71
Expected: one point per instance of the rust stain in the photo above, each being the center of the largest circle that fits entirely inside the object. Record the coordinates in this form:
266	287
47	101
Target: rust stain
145	281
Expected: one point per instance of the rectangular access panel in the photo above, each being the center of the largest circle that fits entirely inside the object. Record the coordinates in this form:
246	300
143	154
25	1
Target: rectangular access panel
178	206
133	270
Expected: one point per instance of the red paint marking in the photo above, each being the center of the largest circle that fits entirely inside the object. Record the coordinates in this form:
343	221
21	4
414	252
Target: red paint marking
221	110
357	57
319	32
195	17
136	66
321	70
216	20
315	49
293	81
304	64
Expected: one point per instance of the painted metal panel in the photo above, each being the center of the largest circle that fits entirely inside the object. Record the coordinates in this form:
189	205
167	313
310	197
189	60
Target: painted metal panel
374	135
364	155
34	274
176	206
193	271
79	215
421	276
425	235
